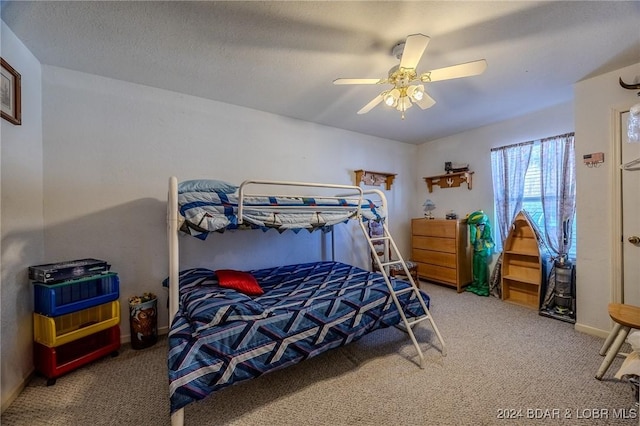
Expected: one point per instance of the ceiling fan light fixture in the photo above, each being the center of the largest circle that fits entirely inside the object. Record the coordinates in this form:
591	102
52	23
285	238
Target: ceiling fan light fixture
404	103
388	100
407	86
416	92
391	98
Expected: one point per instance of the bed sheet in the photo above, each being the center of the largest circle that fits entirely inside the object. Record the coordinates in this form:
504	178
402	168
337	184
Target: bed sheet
220	337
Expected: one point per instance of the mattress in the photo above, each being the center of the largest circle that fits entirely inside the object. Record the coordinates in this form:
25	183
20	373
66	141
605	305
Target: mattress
220	336
206	212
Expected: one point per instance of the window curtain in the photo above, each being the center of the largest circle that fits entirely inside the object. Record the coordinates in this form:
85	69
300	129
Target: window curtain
558	190
508	167
558	193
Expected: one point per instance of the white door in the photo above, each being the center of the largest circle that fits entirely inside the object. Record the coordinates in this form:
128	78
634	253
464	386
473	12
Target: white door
630	219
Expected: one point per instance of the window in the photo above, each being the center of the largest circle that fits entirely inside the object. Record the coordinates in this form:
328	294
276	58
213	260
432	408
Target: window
532	200
523	184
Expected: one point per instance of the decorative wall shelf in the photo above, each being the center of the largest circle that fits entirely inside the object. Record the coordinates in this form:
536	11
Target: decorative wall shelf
450	180
374	178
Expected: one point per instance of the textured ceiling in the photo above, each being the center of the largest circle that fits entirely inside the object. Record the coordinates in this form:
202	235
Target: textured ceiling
282	57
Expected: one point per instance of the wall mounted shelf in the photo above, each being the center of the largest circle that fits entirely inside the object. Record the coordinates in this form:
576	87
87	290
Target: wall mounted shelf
450	180
374	178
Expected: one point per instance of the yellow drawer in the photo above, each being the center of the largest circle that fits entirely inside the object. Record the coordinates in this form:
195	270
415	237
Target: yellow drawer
56	331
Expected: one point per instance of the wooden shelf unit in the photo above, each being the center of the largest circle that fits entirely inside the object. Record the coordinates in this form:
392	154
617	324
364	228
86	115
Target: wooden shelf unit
374	178
522	265
439	247
449	180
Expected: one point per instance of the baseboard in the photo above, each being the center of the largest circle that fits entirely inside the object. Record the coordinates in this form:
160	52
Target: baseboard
14	394
591	330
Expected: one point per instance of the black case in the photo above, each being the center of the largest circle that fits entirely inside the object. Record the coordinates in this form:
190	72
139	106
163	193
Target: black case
61	271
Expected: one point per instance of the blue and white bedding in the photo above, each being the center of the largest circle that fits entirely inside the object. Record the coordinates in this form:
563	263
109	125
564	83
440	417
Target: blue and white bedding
208	211
220	337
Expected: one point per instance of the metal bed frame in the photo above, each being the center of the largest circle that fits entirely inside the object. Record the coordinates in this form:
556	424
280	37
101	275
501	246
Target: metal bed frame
356	194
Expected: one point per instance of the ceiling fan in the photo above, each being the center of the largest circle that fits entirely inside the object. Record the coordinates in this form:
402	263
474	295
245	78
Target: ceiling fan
407	83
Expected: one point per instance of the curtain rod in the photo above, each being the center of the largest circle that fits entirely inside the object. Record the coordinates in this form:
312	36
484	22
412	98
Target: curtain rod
536	140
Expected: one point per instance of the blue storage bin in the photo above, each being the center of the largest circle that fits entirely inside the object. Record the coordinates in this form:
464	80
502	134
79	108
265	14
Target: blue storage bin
63	298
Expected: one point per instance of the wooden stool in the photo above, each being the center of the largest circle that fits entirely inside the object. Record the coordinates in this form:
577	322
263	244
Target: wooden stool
625	317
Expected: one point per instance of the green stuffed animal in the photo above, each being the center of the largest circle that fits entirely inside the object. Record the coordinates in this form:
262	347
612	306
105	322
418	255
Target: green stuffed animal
482	241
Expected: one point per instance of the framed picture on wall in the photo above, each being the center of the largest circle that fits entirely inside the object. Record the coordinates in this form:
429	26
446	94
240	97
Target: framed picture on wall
10	93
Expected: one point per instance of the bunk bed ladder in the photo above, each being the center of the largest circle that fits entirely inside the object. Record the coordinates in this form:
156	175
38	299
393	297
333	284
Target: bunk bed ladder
383	265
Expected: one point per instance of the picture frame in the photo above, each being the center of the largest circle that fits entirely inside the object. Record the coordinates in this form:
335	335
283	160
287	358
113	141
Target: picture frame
10	93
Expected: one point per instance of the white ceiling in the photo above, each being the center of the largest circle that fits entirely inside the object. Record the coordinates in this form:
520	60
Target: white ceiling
282	57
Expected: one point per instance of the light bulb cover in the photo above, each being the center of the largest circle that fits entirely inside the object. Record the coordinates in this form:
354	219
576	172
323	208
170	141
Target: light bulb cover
404	103
416	92
388	100
391	98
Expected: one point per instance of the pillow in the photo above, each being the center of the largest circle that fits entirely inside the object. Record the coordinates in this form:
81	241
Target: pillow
243	282
206	185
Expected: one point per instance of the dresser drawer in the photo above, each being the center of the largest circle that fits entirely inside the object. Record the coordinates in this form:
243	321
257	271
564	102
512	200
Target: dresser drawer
447	260
437	273
434	227
446	245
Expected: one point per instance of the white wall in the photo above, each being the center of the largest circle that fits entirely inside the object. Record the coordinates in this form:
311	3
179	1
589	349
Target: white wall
596	99
110	147
594	104
21	218
474	148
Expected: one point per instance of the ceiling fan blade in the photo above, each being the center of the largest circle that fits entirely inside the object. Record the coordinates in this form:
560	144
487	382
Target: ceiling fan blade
413	49
368	107
455	71
426	101
358	81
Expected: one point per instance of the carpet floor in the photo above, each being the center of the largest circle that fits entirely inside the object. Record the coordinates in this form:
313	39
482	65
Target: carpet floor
505	365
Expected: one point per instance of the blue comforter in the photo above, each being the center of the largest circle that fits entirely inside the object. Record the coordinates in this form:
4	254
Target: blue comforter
220	336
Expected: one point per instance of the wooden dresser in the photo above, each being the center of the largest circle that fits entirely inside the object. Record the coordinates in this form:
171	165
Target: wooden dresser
441	250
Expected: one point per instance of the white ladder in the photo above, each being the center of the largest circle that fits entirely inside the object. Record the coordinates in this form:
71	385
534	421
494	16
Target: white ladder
383	267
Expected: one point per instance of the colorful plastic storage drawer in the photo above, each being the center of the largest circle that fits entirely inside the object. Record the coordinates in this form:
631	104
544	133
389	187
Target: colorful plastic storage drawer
57	331
53	362
74	295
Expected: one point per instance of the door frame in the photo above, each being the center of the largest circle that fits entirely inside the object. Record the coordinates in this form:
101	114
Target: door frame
616	199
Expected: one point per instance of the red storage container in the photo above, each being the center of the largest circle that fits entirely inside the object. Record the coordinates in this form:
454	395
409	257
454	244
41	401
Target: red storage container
53	362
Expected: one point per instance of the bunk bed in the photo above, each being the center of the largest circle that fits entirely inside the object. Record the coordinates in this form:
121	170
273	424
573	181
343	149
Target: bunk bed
230	326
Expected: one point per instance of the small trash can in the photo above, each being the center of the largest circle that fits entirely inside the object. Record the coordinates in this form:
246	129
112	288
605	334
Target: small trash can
143	320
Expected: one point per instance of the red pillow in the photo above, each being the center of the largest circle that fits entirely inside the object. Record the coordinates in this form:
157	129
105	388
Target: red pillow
243	282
